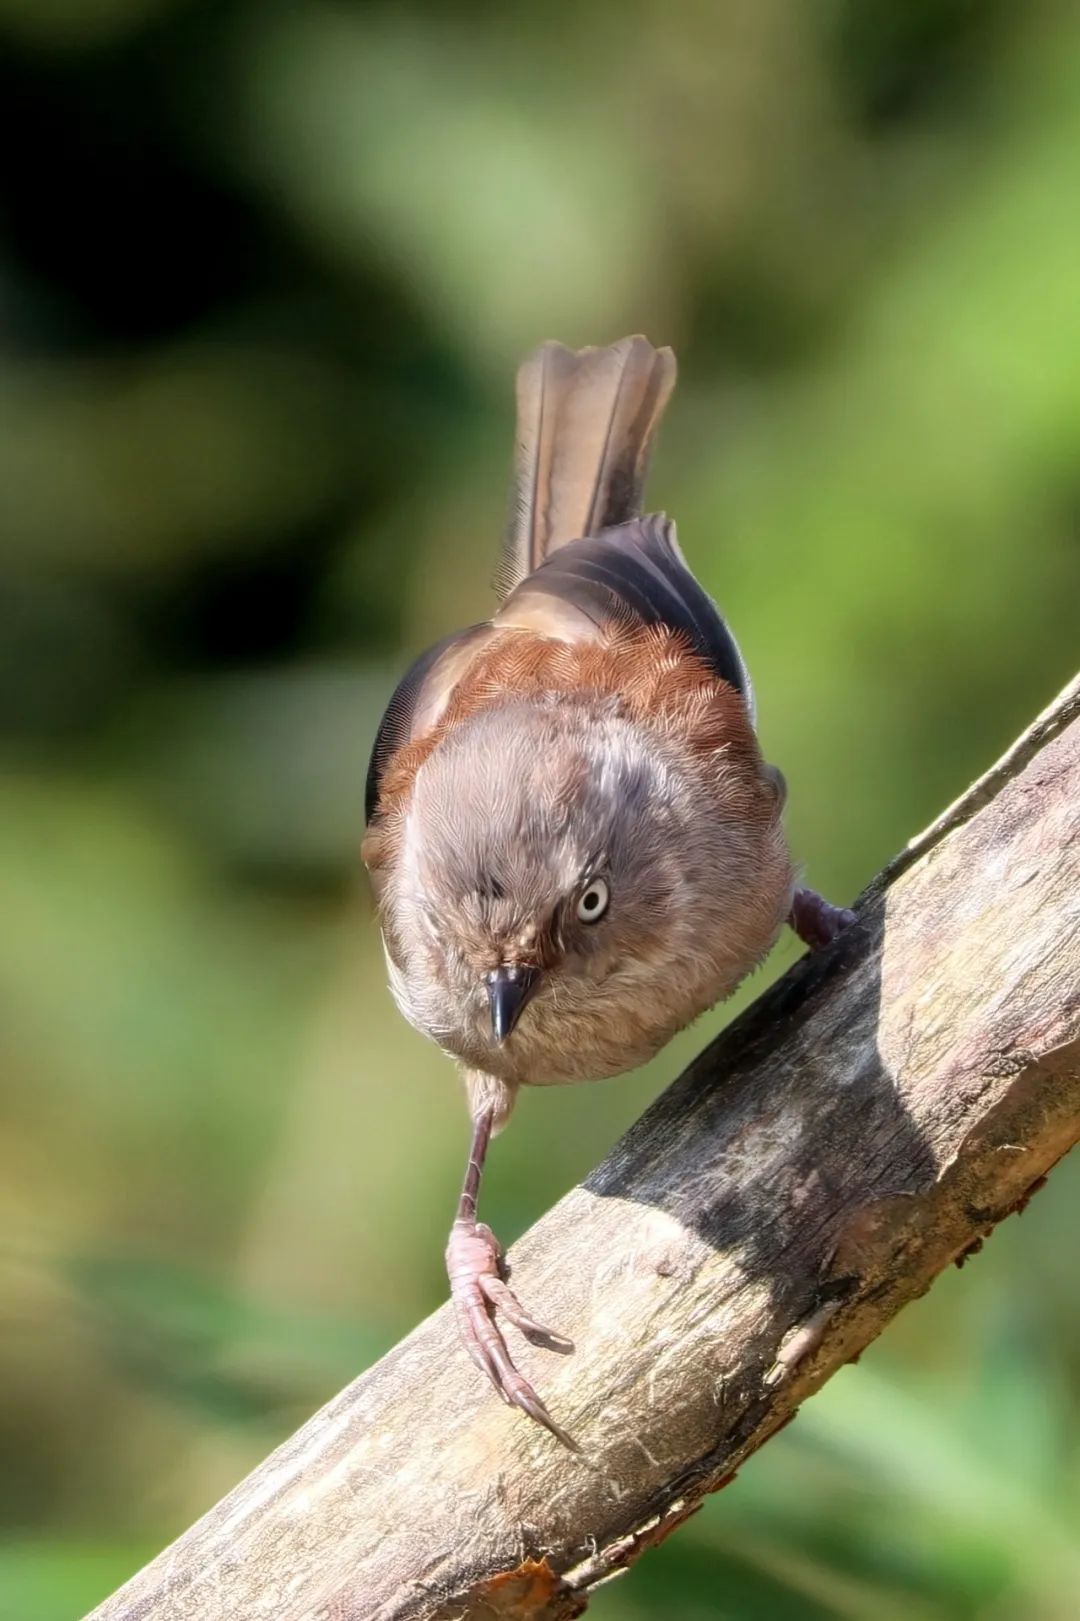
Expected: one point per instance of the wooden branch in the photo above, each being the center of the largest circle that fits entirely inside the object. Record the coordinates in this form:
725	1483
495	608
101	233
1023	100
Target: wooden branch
864	1124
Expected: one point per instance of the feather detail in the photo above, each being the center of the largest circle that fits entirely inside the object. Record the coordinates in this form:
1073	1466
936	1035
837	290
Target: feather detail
632	574
651	674
419	700
585	425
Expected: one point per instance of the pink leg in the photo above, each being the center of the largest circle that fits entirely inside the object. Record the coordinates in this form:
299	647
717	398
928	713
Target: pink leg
816	921
478	1289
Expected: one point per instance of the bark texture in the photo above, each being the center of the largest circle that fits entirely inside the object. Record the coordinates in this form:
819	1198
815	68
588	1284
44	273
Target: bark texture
864	1124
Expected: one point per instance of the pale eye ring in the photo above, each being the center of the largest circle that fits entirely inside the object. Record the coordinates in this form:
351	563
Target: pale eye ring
593	901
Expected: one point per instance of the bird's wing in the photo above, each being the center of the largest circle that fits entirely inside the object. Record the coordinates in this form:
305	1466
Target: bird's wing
628	575
419	700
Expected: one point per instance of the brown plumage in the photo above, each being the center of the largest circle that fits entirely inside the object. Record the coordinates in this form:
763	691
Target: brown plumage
651	675
574	842
585	425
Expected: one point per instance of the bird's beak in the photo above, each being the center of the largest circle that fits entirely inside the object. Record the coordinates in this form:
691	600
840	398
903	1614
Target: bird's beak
508	991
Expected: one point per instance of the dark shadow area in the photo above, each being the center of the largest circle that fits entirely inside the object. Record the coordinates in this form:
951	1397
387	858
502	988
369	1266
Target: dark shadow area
783	1132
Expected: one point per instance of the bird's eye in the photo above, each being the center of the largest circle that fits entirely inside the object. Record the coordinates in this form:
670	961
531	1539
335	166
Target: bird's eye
593	901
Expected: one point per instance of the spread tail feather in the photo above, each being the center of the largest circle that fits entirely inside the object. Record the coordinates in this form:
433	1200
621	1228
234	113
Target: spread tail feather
585	424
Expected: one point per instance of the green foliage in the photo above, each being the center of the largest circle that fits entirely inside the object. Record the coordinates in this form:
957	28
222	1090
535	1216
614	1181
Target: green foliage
267	273
55	1581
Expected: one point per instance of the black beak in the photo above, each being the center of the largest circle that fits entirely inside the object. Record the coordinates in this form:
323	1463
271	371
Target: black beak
508	991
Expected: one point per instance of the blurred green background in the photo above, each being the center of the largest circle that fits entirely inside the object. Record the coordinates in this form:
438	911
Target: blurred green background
265	274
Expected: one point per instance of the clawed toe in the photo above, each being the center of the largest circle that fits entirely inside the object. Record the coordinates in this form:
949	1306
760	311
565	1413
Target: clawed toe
816	921
503	1299
529	1402
478	1291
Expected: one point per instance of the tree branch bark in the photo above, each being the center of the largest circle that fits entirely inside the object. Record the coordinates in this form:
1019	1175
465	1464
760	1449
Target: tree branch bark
864	1124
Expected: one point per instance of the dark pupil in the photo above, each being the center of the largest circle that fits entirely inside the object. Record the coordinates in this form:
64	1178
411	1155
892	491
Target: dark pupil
592	901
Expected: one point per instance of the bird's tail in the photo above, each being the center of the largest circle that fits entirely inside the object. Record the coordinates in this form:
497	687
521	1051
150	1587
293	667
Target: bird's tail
585	424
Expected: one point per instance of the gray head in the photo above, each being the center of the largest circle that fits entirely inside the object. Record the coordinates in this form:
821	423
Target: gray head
556	910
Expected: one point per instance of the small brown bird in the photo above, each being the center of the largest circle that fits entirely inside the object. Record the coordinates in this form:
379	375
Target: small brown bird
574	842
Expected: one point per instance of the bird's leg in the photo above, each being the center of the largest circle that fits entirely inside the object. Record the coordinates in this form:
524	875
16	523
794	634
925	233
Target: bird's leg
478	1289
815	920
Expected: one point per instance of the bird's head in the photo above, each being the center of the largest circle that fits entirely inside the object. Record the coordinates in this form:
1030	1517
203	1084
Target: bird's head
554	892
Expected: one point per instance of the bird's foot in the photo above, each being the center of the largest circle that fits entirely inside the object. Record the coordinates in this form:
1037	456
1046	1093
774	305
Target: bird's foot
478	1288
816	921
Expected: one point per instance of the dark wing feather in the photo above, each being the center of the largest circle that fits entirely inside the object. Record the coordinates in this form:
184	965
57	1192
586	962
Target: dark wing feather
419	699
633	573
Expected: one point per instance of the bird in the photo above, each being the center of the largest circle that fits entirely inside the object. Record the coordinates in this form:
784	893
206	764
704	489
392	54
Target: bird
574	841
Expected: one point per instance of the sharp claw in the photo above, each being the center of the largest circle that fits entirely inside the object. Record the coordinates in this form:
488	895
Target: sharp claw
530	1403
548	1338
516	1391
478	1292
507	1302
